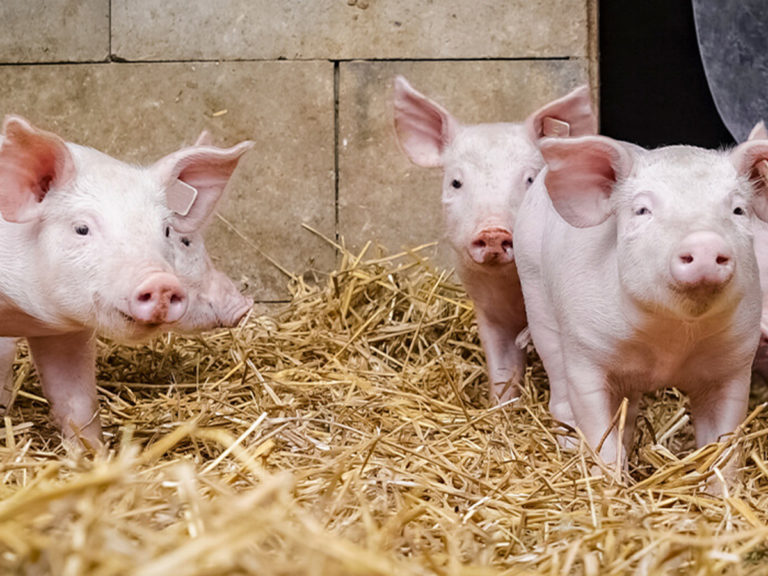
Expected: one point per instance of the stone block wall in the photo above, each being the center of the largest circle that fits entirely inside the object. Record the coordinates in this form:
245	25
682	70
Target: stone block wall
310	81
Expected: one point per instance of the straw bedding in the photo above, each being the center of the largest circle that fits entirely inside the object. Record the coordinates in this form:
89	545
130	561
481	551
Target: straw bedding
349	433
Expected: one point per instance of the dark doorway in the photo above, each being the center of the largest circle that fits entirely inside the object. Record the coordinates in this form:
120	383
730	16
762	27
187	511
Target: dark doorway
653	91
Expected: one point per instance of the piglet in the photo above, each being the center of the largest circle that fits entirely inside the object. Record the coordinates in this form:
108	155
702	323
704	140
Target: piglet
487	169
214	300
639	272
83	250
760	230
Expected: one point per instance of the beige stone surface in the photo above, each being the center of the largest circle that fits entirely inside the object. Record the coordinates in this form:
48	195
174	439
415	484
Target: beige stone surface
140	112
382	196
60	31
347	29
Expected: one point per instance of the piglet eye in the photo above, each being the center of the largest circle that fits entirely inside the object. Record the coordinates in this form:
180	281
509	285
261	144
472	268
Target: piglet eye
529	180
185	241
456	183
167	231
82	230
739	211
642	211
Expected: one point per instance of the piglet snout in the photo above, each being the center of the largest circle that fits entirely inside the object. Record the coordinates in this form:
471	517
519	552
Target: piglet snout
702	258
492	246
160	299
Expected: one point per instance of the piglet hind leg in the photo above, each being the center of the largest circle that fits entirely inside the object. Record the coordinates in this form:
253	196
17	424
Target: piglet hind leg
66	365
7	355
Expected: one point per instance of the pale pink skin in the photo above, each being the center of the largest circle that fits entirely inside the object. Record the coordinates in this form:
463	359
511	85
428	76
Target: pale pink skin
214	300
83	251
639	272
487	169
760	230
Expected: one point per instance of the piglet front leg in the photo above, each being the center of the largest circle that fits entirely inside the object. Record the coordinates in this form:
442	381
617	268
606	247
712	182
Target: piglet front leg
7	355
66	365
505	359
718	410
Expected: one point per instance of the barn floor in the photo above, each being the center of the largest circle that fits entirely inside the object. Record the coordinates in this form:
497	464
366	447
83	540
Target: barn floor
349	433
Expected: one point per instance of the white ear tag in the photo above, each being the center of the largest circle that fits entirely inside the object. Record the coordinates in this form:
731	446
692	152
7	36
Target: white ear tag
180	197
554	127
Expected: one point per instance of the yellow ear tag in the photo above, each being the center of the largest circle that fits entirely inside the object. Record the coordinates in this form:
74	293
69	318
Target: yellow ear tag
554	127
180	197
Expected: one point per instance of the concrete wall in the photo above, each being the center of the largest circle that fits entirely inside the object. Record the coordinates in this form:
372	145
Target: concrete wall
309	80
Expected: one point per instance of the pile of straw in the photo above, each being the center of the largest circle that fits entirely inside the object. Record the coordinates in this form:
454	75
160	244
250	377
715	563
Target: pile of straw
350	433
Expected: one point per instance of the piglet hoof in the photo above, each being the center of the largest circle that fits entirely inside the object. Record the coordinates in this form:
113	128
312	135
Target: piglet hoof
724	479
78	447
503	392
79	441
567	441
523	340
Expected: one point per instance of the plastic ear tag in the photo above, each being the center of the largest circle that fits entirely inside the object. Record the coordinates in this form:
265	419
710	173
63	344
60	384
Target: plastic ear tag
762	169
180	197
554	127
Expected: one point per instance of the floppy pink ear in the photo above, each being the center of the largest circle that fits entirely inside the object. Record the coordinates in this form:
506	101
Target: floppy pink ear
571	115
424	128
751	160
195	178
32	161
581	174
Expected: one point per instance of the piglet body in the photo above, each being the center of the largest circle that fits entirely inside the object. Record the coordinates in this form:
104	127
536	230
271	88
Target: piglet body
487	169
638	271
84	249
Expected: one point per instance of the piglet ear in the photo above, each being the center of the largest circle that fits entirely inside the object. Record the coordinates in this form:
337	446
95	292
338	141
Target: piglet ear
751	160
205	139
759	132
424	128
581	176
32	161
571	115
194	179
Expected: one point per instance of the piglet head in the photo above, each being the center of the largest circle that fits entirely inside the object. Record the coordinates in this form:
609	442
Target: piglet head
487	168
680	215
194	179
90	232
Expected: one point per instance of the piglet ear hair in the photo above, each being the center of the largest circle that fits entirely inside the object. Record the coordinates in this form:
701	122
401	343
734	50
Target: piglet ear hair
571	115
581	175
194	179
32	161
751	160
424	128
759	132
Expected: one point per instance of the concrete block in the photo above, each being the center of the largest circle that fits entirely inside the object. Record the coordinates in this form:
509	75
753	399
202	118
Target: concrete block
348	29
385	198
140	112
61	31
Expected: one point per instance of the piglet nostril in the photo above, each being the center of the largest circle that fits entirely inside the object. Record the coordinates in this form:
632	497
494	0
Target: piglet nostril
506	245
722	259
686	258
145	297
479	244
